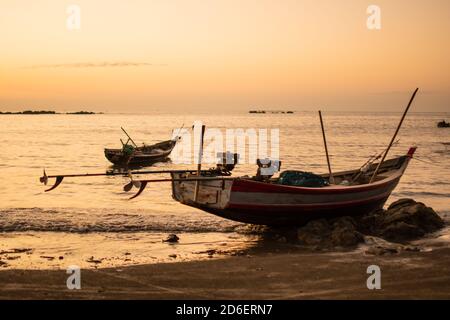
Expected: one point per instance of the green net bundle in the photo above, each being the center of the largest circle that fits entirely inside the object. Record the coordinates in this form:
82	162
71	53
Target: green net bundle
302	179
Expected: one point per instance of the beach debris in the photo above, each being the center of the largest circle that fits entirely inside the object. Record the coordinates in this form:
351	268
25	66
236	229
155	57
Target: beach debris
171	238
12	257
174	256
61	258
380	247
93	260
381	251
47	257
3	264
17	250
127	254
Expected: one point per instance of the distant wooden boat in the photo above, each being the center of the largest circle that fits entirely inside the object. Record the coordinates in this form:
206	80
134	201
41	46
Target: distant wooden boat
145	155
443	124
247	200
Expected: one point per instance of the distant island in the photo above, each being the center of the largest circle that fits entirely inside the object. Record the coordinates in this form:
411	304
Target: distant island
48	112
273	111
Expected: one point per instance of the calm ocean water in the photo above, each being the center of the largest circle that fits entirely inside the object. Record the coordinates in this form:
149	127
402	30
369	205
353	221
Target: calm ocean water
87	217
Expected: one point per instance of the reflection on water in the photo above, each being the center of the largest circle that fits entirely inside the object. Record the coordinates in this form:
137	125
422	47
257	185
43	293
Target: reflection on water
85	211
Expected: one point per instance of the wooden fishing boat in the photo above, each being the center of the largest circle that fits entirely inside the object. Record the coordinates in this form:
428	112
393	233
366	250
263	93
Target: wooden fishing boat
247	200
145	155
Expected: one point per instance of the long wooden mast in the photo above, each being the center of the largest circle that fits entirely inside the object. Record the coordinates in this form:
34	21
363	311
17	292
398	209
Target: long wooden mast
199	165
395	135
331	179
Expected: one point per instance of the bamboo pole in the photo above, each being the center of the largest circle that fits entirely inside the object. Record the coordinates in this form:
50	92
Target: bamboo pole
331	179
188	179
395	135
118	173
129	137
199	165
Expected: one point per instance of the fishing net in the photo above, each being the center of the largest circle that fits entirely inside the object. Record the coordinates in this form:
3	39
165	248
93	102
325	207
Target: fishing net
302	179
128	150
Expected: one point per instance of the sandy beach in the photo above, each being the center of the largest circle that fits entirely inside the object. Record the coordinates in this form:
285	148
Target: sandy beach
273	274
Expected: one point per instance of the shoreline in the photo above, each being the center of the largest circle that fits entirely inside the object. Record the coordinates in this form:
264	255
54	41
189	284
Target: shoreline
260	274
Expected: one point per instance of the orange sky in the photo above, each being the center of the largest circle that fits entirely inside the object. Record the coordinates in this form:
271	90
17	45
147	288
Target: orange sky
189	55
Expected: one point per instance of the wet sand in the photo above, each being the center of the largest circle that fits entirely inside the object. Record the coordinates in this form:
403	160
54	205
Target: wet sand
256	275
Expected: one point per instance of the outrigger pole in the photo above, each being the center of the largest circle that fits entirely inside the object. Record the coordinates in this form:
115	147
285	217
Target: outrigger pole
395	135
326	149
59	178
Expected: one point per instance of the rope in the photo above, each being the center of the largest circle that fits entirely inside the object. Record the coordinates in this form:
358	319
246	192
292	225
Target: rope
427	162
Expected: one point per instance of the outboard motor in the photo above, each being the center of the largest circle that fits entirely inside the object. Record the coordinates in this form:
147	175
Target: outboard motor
226	162
267	168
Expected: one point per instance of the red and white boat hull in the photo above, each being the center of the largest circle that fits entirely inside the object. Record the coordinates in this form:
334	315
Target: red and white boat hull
255	202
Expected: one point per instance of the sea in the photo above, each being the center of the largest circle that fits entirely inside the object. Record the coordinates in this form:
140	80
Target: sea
90	222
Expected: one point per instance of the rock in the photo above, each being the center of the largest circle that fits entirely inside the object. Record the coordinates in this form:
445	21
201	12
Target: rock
401	203
400	231
407	219
174	256
340	232
61	258
368	223
344	233
343	237
172	238
3	264
404	220
314	232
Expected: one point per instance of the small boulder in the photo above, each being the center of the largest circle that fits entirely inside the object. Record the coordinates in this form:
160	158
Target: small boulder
400	231
341	232
407	219
344	233
172	238
314	232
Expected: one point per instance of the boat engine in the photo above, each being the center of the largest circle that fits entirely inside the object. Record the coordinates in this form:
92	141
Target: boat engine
226	163
267	168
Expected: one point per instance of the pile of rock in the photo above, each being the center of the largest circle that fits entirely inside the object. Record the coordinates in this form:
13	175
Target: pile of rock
404	220
323	233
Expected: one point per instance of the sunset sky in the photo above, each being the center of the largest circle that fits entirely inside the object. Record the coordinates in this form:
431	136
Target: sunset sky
189	55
